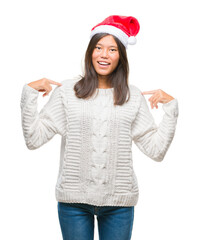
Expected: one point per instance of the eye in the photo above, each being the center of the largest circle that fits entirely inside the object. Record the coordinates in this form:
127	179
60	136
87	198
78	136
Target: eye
98	48
113	50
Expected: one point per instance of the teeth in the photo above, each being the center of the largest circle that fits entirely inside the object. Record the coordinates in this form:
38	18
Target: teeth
103	63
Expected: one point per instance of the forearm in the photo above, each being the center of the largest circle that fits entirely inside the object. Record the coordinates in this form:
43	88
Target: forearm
154	141
38	128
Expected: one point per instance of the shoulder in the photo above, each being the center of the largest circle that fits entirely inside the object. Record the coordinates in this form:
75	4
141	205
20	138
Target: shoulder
69	82
135	90
68	85
136	95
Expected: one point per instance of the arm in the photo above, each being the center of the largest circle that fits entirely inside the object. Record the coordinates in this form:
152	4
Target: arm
151	139
39	128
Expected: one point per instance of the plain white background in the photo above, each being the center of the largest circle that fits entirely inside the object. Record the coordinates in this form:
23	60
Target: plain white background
48	39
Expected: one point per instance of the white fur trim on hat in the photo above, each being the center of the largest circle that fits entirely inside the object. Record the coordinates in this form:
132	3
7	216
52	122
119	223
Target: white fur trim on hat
123	37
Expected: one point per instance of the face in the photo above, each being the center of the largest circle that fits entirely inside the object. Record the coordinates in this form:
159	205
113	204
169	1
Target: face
105	56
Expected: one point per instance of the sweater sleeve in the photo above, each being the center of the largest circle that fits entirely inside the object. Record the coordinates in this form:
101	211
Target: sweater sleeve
151	139
39	128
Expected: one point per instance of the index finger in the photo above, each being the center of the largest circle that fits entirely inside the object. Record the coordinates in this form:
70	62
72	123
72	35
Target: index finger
149	92
55	83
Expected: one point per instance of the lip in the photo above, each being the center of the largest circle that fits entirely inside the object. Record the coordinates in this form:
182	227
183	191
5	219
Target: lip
103	66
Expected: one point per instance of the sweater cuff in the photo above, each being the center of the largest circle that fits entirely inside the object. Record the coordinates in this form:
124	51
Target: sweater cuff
26	92
171	108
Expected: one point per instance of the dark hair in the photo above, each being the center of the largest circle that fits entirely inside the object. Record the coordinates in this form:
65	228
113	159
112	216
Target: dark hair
118	79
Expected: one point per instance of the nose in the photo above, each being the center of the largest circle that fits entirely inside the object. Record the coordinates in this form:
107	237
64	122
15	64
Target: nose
104	53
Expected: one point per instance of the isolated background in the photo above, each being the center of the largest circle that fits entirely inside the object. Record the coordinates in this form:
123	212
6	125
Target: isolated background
48	39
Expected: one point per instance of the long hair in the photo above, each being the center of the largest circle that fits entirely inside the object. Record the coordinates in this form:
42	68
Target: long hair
118	79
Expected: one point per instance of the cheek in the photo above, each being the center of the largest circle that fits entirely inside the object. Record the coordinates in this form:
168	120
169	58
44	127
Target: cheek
93	60
116	61
94	55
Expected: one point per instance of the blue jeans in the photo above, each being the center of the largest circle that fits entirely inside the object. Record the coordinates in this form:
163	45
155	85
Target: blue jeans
77	221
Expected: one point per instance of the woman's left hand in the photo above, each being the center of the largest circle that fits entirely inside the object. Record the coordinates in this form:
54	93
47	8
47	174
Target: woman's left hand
158	96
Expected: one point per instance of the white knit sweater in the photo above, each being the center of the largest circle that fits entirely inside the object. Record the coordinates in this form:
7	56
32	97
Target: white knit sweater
96	165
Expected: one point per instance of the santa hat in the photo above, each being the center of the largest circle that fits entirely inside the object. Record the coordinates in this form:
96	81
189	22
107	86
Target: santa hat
122	27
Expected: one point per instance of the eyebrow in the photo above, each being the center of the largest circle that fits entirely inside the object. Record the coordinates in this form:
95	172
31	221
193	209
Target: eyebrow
109	46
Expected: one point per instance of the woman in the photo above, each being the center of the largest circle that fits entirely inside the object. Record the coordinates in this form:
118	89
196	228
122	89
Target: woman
96	175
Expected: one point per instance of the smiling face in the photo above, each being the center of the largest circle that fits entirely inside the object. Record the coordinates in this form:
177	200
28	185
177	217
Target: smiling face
105	56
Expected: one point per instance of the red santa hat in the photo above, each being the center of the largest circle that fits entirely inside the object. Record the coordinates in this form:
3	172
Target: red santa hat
122	27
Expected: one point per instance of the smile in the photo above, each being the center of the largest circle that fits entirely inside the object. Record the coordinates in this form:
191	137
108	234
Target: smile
103	63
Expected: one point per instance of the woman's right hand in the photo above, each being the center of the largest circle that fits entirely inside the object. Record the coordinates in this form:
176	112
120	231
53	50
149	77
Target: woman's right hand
43	85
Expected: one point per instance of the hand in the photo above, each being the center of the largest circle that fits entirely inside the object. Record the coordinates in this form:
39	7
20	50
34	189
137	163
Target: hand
158	96
43	85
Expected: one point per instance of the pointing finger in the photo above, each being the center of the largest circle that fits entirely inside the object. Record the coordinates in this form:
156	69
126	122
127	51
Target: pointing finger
55	83
149	92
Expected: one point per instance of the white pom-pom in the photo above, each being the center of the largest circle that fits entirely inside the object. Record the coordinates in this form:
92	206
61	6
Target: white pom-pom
132	40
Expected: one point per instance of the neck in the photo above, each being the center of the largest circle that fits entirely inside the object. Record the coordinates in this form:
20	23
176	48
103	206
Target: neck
103	82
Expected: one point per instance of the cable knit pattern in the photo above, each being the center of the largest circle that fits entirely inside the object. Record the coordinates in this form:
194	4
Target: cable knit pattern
101	121
96	165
